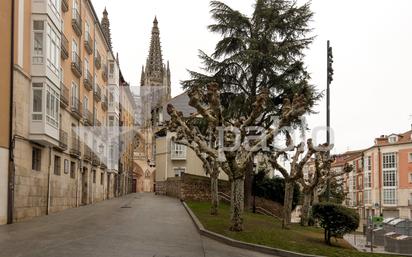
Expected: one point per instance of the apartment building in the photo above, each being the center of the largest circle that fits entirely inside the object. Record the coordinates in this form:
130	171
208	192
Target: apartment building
65	94
6	9
381	183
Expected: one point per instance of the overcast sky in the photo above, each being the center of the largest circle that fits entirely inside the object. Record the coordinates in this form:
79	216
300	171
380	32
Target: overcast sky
372	42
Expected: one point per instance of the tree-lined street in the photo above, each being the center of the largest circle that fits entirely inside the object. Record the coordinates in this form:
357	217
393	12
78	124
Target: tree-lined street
138	225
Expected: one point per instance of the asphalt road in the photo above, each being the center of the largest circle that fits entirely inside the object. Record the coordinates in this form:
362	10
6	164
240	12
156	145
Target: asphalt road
138	225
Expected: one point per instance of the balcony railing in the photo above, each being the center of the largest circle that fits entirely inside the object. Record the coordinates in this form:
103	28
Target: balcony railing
76	107
63	139
104	73
77	22
88	81
65	47
65	5
87	118
76	65
75	146
87	154
64	95
105	103
97	60
88	43
97	93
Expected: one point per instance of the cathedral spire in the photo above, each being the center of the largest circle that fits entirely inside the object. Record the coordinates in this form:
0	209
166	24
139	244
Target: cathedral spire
154	64
106	28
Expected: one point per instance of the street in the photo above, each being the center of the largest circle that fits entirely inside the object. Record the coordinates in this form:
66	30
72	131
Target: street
135	225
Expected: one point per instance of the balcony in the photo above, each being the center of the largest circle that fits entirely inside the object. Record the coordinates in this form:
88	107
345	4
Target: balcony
75	107
410	202
88	43
104	73
87	118
65	47
97	123
178	152
77	22
64	95
87	154
105	103
75	146
103	163
76	65
63	140
88	81
95	160
97	93
65	5
97	60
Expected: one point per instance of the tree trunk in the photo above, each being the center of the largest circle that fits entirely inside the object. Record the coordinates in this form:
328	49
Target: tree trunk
248	185
214	190
287	205
307	198
236	205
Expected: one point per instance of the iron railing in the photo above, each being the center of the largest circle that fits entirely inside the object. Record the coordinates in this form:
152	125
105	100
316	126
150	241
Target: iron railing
77	22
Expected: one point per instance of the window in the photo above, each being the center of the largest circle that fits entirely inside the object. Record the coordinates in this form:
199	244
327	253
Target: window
87	29
52	107
393	139
368	163
410	177
101	178
94	176
38	42
75	5
179	171
53	50
368	180
72	169
178	151
36	159
410	157
389	178
57	165
111	121
389	196
86	67
66	166
37	111
75	51
85	103
367	196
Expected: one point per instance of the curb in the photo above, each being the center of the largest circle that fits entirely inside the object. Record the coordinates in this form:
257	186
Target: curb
239	244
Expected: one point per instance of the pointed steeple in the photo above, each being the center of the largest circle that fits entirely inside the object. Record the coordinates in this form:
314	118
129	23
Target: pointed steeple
106	28
154	63
142	77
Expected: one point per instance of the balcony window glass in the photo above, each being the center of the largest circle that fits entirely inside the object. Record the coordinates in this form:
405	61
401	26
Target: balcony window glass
55	7
178	151
37	112
72	169
86	67
38	44
53	50
75	51
179	171
52	107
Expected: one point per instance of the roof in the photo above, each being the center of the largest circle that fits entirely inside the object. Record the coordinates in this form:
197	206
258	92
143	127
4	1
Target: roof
403	138
181	104
342	159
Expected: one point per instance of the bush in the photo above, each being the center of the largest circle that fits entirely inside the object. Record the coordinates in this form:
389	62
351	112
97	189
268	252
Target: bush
273	189
335	219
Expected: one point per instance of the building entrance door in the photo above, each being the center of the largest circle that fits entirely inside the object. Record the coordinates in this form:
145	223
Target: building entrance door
134	185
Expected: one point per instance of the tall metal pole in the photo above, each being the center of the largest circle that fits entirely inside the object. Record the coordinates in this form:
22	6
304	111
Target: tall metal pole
329	74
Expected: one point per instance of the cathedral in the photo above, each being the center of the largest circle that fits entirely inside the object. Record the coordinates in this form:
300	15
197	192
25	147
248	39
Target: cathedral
155	91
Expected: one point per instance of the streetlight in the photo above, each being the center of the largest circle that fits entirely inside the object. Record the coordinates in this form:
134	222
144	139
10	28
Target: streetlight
328	82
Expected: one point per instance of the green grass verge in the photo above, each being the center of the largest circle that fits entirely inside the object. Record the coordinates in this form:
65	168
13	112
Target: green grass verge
264	230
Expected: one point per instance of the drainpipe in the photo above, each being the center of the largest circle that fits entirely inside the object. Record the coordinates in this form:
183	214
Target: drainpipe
49	183
11	175
380	180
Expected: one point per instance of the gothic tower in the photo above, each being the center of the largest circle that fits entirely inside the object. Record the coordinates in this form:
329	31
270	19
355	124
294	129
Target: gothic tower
106	27
156	74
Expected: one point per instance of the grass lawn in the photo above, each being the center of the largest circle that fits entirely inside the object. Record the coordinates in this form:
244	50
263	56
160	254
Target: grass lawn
264	230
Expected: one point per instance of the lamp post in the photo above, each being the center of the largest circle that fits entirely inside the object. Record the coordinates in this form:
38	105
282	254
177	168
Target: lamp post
328	82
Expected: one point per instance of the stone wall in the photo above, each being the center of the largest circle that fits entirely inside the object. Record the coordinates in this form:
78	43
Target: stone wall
189	187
